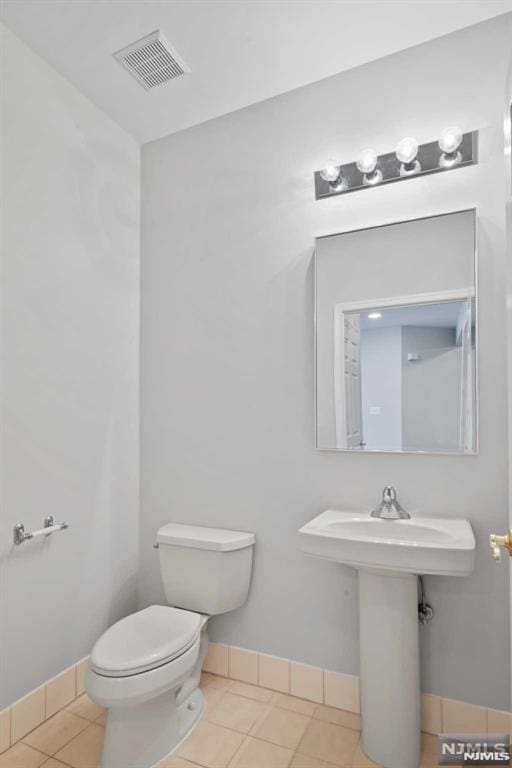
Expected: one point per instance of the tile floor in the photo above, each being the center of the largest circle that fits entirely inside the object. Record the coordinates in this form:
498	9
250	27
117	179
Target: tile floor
244	726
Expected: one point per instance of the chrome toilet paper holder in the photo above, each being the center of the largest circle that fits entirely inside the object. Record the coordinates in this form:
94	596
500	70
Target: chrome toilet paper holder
50	526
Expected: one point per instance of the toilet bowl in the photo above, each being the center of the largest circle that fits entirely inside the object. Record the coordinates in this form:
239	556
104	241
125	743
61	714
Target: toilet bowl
145	669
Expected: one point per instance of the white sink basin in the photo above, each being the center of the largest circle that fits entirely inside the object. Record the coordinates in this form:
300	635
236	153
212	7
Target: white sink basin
421	545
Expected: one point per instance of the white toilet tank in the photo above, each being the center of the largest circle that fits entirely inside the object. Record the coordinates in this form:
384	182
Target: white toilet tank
207	570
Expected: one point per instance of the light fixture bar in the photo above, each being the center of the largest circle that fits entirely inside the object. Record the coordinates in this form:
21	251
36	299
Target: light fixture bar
429	159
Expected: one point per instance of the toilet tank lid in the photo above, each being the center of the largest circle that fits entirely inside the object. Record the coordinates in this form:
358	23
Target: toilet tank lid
199	537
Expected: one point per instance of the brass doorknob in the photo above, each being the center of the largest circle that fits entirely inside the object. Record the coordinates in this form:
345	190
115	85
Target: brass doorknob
497	542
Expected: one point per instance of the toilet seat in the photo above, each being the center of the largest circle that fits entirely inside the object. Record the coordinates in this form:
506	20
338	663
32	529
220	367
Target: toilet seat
145	640
130	690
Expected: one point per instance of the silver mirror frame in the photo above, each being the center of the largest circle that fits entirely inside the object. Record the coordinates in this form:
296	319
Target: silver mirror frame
477	339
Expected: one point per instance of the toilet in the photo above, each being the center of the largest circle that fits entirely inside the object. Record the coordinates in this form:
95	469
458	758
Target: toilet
145	669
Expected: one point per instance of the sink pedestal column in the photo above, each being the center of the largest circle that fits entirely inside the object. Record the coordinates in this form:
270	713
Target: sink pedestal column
390	676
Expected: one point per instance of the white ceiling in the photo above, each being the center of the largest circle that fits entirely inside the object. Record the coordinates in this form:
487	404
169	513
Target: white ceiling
442	315
240	51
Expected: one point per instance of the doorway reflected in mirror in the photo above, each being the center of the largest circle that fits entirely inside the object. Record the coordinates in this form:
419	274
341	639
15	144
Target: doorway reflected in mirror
398	371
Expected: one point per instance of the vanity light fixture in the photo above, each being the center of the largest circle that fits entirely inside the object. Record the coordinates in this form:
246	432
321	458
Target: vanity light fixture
450	141
331	172
407	152
452	149
367	164
374	316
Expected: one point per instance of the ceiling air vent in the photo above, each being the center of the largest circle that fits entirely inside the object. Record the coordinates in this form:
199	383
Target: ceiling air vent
152	61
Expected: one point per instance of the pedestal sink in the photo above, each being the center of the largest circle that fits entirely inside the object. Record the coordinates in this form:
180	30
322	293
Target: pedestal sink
389	555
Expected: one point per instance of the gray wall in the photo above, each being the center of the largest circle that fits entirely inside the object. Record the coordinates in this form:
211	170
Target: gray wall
434	379
381	386
229	221
69	360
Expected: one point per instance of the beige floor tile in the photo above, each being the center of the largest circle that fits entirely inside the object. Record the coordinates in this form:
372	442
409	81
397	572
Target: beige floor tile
360	760
5	729
251	692
84	750
235	712
338	716
306	761
212	697
216	681
175	762
22	756
499	722
429	743
341	691
210	745
429	746
243	665
27	713
60	691
84	707
261	754
102	719
429	761
431	713
53	763
217	659
80	670
307	682
329	742
282	727
460	717
274	673
294	704
53	734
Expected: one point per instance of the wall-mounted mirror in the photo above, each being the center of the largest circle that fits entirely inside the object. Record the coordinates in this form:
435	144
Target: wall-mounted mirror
396	337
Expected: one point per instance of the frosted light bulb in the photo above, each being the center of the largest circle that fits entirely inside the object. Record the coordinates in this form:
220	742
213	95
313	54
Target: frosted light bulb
449	143
450	139
367	161
407	150
330	171
367	164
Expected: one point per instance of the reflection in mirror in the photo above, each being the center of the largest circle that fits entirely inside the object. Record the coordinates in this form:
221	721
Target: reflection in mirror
427	354
398	373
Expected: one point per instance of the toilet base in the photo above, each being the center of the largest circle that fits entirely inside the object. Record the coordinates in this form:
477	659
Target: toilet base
140	736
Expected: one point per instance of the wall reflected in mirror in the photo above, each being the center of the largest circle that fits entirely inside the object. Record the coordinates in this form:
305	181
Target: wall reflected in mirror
396	337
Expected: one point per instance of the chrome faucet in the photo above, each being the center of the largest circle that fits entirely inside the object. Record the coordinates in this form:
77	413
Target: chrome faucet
389	508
